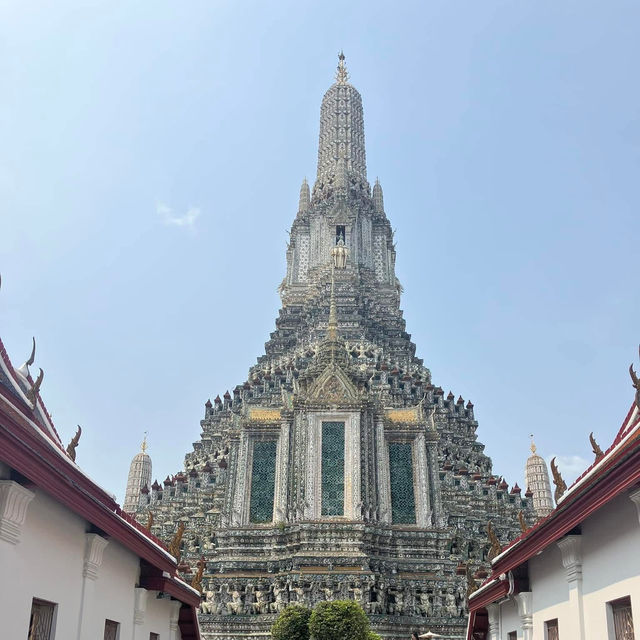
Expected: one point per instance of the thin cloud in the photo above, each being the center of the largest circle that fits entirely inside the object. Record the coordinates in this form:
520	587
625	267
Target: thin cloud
571	466
169	218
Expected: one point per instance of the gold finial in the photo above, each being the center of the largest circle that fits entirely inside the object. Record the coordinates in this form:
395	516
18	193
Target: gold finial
495	549
522	521
342	76
71	448
597	451
635	381
339	255
472	585
143	446
561	485
32	394
174	547
196	583
533	444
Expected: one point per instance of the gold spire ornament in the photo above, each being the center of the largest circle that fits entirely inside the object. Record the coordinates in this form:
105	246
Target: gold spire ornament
533	444
472	585
71	447
342	77
32	394
635	381
149	520
174	547
143	446
495	549
522	522
339	255
196	583
561	485
597	451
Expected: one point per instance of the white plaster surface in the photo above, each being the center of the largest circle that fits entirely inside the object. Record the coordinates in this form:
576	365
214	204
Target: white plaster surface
48	564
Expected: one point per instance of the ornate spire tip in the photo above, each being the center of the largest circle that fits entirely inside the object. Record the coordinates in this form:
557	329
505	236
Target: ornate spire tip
342	77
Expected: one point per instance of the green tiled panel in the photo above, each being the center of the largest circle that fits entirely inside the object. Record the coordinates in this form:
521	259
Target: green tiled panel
263	481
403	505
333	468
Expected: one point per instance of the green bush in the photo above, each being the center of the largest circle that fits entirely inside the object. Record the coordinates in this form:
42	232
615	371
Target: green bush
373	636
292	623
339	620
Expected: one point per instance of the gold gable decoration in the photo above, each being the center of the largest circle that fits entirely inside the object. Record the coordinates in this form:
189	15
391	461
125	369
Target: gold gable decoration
404	416
265	415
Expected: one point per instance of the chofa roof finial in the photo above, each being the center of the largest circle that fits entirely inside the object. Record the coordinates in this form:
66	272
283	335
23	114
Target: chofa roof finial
561	485
635	381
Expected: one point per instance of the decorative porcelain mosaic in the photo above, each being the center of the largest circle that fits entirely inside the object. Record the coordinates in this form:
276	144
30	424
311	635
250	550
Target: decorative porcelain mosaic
263	480
333	468
403	505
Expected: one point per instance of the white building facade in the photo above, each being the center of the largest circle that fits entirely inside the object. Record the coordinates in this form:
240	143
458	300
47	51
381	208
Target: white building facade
575	575
73	565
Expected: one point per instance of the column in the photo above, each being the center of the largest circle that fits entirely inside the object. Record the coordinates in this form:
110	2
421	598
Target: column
525	611
239	507
384	481
421	484
174	616
571	548
14	500
494	621
88	625
282	475
634	496
139	611
352	490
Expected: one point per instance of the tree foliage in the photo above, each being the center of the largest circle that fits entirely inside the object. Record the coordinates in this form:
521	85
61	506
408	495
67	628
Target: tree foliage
292	624
339	620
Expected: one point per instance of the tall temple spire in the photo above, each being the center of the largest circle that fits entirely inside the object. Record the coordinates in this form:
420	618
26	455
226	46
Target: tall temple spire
537	478
139	477
341	130
305	197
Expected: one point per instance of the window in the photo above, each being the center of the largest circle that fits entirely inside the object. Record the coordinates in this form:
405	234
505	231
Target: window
111	630
41	620
263	481
551	630
403	505
622	619
512	635
154	636
332	469
341	233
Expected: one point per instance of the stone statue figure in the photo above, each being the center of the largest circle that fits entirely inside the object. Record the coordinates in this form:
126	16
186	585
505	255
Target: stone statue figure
424	604
250	599
450	605
377	604
209	605
281	596
235	606
300	593
262	599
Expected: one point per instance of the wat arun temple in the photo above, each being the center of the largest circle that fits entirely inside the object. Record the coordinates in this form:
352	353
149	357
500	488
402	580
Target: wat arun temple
338	469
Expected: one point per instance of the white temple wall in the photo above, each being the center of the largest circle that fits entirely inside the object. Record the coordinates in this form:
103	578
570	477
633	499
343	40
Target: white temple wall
610	569
48	563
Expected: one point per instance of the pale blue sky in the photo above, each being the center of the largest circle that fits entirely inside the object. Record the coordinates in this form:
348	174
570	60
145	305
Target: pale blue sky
150	159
